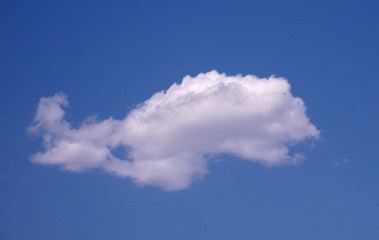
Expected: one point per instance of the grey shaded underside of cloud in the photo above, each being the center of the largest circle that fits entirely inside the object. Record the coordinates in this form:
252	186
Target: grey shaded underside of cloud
168	135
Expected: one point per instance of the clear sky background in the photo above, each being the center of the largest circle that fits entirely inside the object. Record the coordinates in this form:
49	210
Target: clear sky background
108	56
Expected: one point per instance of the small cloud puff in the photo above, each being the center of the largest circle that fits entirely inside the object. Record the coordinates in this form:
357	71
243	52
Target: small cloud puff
341	162
168	136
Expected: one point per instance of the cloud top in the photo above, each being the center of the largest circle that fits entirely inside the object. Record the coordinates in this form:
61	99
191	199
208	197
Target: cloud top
168	136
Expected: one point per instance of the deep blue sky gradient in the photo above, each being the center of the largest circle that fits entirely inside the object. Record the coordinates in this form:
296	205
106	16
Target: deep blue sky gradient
108	56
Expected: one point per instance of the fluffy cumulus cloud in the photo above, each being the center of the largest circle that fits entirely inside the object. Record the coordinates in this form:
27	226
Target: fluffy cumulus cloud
168	136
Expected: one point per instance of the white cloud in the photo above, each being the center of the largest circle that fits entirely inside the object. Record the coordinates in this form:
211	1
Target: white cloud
168	135
341	162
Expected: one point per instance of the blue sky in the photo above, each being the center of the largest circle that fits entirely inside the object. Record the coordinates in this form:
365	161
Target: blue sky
109	56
